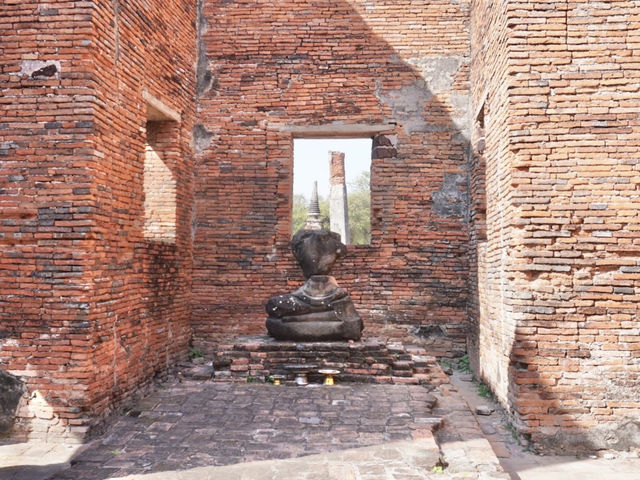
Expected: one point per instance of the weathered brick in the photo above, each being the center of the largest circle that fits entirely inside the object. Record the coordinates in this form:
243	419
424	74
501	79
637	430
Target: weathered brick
570	148
292	64
538	267
105	308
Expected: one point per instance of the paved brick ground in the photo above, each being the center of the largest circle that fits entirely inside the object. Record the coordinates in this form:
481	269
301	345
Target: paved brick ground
205	431
513	452
187	425
403	460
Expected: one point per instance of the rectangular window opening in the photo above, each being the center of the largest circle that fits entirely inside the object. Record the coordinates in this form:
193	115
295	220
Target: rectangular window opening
161	152
342	169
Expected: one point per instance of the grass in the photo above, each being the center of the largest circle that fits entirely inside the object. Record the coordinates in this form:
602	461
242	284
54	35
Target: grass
195	352
460	364
463	364
512	430
484	391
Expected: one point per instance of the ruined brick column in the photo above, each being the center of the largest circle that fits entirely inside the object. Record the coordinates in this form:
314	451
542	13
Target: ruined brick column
338	212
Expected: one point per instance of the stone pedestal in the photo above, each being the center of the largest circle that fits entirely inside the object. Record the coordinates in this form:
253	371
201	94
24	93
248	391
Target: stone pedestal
372	360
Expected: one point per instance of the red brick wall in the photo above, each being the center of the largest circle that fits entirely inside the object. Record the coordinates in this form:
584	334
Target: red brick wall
140	308
266	67
492	323
92	305
45	122
570	286
89	309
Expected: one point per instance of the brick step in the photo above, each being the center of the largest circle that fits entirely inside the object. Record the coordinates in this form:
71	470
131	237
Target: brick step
372	360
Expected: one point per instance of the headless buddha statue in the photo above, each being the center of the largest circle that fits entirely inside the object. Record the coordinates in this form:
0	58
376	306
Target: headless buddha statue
319	310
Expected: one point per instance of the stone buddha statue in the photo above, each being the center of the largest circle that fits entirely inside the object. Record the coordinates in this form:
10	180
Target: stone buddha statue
319	310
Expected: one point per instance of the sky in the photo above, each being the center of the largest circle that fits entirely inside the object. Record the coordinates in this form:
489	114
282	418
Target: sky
311	161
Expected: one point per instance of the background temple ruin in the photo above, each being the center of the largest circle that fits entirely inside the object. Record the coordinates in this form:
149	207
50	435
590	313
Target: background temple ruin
146	184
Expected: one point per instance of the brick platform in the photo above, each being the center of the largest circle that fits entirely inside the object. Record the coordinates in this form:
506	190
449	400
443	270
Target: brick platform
372	360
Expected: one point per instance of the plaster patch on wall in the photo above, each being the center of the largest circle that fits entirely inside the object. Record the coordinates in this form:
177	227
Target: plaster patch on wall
461	113
202	138
407	104
438	72
460	104
621	435
40	68
205	80
428	331
451	199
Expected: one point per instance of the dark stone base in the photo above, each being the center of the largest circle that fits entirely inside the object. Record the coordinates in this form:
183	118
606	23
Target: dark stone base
11	389
319	331
371	360
318	311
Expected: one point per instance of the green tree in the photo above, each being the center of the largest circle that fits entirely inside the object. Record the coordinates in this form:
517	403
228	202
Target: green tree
298	212
359	205
324	212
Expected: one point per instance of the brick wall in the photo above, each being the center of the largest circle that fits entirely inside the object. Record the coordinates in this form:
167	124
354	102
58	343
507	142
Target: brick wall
45	121
572	184
90	309
162	157
269	69
97	288
141	284
492	324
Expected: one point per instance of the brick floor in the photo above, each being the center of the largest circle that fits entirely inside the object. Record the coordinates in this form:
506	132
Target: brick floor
193	424
206	431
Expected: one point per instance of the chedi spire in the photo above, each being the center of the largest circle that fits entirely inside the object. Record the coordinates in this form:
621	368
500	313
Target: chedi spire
313	214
